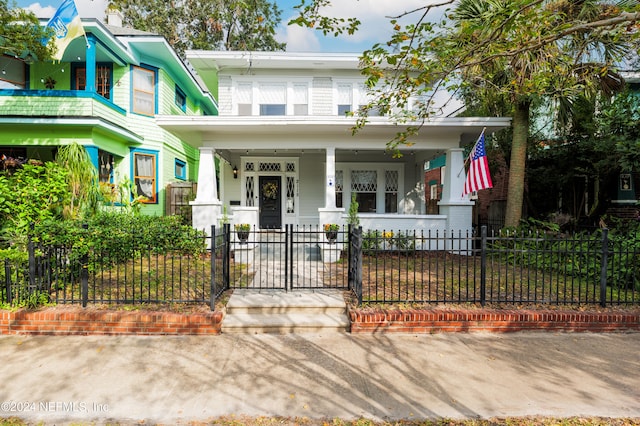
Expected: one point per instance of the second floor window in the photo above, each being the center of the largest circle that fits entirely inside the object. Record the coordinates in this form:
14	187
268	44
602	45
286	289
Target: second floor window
144	91
273	99
180	99
345	99
103	80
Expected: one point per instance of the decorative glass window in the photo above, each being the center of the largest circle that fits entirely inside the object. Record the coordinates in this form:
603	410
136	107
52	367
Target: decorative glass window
339	187
300	99
12	73
144	175
144	91
273	99
364	183
270	167
180	169
291	199
244	98
345	98
249	191
391	191
180	99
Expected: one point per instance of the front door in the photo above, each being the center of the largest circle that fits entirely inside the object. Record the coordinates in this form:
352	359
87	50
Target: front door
270	202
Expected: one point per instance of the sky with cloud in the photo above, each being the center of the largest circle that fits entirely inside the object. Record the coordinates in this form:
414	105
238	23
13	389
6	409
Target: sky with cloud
374	15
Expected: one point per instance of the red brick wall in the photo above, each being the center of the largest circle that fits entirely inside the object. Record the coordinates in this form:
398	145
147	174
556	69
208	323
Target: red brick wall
439	321
80	322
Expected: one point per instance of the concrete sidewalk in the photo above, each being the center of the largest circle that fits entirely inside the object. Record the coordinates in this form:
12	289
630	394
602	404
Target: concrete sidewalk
177	379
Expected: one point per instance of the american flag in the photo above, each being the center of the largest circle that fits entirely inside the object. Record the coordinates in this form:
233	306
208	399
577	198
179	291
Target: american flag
478	176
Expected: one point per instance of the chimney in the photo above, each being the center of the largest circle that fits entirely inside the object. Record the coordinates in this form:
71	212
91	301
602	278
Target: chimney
114	18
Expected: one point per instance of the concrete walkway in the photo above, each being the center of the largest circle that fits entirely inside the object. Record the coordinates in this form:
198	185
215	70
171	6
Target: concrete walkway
178	379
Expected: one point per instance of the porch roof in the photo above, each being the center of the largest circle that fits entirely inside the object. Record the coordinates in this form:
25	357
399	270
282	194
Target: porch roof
291	132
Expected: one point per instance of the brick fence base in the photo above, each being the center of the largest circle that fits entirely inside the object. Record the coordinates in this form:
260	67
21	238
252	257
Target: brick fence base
85	322
439	321
80	322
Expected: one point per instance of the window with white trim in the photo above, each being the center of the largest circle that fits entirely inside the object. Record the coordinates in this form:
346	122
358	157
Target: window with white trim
300	99
344	98
272	99
244	98
364	183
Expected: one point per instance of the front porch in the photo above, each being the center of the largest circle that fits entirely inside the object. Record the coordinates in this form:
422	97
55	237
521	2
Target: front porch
303	171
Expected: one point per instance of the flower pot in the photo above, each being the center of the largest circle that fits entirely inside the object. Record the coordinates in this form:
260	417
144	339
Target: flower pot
243	236
332	236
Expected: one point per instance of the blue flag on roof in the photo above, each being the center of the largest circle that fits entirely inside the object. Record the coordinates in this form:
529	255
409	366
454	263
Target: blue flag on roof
66	25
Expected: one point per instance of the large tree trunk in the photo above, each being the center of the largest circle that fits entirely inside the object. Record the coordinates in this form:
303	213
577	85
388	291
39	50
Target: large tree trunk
515	191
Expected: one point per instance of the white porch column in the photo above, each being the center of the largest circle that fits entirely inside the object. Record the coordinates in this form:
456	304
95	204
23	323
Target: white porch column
457	208
206	208
330	213
330	179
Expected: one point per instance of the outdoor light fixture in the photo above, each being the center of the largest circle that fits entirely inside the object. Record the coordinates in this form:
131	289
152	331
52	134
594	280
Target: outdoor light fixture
235	172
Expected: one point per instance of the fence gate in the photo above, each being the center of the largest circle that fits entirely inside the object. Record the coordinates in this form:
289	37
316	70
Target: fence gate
289	259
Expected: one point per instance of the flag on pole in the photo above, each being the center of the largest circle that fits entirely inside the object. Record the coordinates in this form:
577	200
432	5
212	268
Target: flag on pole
66	25
478	176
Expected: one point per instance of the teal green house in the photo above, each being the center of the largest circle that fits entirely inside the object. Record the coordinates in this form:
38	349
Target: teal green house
105	94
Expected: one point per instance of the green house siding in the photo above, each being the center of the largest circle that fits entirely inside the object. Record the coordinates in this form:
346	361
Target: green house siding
41	118
40	71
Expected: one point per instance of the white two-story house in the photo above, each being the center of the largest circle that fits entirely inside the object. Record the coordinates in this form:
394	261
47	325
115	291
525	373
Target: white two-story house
286	154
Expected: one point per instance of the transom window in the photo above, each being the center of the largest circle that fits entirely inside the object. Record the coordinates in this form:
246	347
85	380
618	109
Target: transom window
144	91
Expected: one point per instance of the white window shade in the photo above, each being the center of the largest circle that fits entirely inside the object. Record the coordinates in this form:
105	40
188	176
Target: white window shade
363	98
243	93
300	94
345	94
273	94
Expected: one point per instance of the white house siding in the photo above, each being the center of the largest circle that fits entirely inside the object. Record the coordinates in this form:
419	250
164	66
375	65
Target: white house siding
322	96
225	97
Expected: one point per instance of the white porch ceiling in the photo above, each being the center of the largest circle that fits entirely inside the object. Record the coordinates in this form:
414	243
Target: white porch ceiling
319	132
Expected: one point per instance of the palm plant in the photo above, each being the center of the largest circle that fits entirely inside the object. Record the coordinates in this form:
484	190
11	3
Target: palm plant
82	179
518	49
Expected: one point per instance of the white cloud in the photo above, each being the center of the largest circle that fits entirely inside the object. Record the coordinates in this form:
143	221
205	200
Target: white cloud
86	9
41	11
298	39
375	27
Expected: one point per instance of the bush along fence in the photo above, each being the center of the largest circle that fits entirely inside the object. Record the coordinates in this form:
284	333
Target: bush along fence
182	265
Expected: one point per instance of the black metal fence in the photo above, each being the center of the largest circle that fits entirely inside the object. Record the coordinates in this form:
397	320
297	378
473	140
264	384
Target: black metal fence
377	266
520	269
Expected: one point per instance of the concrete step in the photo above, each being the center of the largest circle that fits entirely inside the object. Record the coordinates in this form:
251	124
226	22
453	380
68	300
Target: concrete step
273	311
285	323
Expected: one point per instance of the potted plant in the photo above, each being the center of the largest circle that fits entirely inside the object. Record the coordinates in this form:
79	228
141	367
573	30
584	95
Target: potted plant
331	231
242	230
